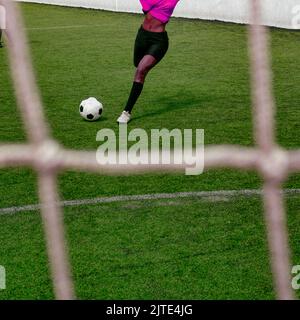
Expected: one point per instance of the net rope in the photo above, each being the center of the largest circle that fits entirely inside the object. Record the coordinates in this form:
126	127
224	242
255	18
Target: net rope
48	158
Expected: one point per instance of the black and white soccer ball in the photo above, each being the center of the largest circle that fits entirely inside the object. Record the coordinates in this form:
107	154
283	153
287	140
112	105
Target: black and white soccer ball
91	109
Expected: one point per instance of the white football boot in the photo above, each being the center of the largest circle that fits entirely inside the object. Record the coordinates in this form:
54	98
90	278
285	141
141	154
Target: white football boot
124	117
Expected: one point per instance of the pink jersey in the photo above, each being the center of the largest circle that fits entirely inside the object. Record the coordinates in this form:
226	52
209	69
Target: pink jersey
161	10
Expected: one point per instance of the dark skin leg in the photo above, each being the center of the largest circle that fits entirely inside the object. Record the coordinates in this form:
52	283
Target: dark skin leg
142	63
145	65
148	61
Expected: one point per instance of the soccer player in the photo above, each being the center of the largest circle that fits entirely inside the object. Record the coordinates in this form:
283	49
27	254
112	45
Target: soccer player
150	47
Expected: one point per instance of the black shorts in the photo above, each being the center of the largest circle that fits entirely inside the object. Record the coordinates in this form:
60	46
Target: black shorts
155	44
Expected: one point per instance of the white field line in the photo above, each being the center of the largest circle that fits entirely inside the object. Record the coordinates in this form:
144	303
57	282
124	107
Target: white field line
154	196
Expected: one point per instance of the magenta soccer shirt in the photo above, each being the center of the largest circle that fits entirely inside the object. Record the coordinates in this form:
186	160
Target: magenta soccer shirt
162	10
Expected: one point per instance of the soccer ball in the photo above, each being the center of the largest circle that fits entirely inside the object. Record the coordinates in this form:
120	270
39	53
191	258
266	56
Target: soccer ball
91	109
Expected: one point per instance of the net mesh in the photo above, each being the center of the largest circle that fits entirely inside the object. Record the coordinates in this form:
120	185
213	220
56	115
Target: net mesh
48	158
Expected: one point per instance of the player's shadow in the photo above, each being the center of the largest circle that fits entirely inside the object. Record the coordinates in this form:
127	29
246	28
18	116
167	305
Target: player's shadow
170	104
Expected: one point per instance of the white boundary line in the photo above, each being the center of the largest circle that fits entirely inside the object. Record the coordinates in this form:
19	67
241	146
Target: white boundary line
154	196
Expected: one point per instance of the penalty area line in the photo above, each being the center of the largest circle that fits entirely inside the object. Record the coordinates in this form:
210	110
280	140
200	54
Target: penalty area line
154	196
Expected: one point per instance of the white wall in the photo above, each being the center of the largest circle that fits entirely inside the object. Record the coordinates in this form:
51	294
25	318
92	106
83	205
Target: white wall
278	13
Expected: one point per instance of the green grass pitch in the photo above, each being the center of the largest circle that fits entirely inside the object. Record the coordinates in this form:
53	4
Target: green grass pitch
157	249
